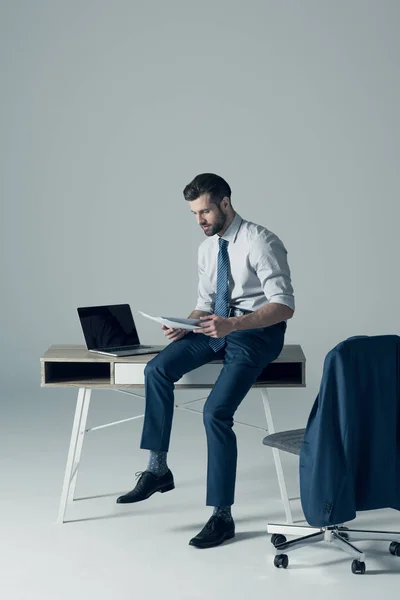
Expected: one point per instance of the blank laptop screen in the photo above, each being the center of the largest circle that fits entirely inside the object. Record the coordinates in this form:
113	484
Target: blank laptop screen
108	326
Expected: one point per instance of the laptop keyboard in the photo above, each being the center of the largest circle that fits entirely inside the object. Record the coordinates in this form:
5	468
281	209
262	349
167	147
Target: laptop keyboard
119	348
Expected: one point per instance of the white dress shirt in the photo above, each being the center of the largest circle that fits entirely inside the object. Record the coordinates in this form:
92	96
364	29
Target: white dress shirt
259	271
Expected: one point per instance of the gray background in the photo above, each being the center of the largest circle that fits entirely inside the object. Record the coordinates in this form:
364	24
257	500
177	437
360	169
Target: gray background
108	109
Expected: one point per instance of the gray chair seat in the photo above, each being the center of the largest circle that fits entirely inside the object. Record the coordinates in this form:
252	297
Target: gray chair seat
289	441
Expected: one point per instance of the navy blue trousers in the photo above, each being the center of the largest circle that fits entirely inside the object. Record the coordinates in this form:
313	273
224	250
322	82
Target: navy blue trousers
244	356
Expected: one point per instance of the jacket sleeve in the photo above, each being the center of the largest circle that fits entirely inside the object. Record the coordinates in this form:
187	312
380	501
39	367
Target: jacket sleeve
326	489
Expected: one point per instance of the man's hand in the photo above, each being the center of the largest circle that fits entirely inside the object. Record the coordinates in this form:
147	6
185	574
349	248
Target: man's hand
215	326
174	334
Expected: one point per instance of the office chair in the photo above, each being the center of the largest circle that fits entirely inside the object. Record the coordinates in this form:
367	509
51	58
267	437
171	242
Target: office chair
350	450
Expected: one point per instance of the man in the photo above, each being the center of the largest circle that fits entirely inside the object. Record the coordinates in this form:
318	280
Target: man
245	297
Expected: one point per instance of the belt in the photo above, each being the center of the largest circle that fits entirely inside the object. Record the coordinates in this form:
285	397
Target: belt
238	312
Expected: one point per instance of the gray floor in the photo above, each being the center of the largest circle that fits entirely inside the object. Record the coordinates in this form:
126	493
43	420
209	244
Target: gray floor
107	550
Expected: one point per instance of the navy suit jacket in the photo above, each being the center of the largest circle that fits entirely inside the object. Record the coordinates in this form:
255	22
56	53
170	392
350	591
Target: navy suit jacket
350	458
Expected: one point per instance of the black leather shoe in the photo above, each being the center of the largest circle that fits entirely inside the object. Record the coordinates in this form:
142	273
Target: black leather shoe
214	532
147	485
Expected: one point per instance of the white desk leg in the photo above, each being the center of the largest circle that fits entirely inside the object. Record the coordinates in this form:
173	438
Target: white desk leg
277	458
80	403
79	444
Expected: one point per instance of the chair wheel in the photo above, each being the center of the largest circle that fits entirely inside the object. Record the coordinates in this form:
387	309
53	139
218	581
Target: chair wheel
358	567
394	548
277	538
281	560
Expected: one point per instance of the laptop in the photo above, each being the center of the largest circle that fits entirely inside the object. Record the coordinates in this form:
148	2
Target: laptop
111	330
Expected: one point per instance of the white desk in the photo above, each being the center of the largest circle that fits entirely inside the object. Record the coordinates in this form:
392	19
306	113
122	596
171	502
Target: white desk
73	366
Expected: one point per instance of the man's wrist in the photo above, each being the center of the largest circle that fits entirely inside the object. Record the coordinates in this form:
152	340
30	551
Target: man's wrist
196	314
234	321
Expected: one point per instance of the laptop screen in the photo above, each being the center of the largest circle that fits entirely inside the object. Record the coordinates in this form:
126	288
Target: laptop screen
108	326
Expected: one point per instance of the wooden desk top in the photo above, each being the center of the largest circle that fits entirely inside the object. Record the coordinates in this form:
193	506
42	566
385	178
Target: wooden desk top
78	353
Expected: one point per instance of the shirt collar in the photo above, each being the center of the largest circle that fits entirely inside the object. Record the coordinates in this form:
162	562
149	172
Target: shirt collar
230	234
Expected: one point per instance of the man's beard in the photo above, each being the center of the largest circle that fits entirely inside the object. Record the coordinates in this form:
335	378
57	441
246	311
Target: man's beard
217	226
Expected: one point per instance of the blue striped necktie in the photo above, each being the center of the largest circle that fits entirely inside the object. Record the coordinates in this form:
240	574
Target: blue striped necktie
222	297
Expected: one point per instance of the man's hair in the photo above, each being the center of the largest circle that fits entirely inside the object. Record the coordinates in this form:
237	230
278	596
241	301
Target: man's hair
207	183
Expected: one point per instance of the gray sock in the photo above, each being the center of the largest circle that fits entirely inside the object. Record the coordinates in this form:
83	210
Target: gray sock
223	511
157	463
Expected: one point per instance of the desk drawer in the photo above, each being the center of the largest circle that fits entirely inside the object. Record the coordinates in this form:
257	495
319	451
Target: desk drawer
133	374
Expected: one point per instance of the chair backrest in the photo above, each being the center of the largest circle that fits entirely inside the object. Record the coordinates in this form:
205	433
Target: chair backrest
350	457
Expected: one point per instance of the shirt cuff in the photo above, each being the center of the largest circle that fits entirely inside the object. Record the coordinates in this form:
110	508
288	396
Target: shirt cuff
287	300
205	307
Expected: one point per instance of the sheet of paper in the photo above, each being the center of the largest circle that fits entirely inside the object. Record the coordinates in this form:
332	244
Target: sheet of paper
174	322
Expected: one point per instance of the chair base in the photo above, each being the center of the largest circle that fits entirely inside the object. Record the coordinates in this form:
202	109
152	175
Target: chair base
342	537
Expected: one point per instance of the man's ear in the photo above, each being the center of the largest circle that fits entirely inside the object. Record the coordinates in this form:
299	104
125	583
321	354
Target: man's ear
226	201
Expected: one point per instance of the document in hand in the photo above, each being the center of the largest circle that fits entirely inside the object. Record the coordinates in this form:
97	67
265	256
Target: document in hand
174	322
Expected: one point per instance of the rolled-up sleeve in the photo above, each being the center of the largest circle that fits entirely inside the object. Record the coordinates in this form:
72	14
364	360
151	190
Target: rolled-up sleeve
268	257
206	294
